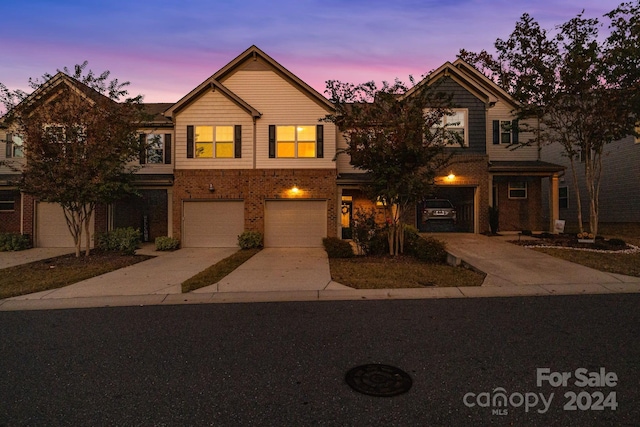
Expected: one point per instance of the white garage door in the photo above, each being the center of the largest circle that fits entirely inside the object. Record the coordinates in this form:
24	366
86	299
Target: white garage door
51	227
212	224
295	223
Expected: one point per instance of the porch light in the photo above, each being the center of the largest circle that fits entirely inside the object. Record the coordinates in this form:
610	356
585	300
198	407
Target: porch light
451	176
295	189
211	189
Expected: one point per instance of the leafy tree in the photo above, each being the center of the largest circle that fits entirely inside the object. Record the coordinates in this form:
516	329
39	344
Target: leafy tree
80	139
394	133
575	88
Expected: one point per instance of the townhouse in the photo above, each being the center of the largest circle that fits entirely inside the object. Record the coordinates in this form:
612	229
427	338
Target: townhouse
247	150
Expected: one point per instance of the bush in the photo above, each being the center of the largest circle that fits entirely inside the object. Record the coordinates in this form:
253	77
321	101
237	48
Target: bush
378	243
164	243
10	242
428	249
337	248
250	240
617	242
124	240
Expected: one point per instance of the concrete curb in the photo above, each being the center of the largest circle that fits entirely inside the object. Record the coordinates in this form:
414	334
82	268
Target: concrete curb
12	304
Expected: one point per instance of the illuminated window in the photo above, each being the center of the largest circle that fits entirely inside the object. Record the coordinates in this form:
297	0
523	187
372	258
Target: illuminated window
214	141
224	142
295	141
204	141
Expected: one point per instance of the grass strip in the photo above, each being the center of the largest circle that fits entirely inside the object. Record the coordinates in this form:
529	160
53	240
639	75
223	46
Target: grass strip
218	271
60	271
399	272
627	264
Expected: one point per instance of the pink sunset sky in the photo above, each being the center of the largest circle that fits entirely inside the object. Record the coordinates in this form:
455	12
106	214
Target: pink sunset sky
166	48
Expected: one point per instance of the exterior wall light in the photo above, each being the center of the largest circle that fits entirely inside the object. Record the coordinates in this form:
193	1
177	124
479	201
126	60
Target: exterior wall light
451	176
295	189
211	189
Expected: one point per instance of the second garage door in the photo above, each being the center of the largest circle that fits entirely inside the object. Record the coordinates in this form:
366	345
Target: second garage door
295	223
212	224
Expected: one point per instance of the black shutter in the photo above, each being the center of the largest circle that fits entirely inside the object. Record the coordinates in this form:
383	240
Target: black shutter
496	131
167	148
237	141
272	141
320	141
9	152
143	148
515	131
190	142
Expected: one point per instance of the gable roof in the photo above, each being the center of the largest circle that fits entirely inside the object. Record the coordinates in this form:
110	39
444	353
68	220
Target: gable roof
214	82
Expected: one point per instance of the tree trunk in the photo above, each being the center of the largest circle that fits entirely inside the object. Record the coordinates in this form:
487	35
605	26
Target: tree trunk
576	189
88	211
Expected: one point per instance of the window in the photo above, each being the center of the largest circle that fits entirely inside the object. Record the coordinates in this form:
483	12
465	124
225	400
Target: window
7	201
505	132
517	190
220	137
155	148
563	197
295	141
456	122
15	146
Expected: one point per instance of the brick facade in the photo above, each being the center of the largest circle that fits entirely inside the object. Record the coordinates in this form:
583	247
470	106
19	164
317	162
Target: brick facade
254	186
10	220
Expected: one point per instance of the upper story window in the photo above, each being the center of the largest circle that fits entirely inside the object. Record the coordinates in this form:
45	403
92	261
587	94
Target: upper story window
220	142
295	141
505	132
301	141
156	149
456	122
15	146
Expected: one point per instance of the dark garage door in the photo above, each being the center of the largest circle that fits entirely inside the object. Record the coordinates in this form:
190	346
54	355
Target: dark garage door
462	198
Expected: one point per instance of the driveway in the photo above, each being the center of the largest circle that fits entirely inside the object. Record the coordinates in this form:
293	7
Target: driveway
278	269
507	264
11	259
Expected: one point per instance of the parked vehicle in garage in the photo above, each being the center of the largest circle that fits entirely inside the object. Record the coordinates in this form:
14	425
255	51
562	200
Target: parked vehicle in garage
438	209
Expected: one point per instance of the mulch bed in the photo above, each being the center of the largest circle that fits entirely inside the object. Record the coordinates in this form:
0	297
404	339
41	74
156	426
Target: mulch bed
571	241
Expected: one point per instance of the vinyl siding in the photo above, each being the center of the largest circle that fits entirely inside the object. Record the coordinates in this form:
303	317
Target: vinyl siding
619	188
212	109
503	111
281	103
477	124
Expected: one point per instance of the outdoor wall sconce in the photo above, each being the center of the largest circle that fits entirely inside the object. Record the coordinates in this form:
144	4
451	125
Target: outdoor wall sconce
451	176
211	189
295	189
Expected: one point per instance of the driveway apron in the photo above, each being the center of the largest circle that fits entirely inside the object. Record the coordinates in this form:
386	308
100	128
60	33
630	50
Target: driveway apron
507	264
11	259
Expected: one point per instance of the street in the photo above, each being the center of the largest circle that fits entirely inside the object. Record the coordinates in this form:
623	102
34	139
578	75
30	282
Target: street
562	360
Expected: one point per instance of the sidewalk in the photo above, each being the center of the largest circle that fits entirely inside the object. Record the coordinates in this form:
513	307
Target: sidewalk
276	275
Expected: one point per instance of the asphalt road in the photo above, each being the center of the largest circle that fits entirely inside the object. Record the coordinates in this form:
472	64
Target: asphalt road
284	364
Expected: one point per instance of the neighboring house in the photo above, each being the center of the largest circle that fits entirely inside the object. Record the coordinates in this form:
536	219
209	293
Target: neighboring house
247	150
619	200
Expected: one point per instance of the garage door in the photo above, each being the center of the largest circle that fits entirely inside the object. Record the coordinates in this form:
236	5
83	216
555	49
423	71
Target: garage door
212	224
295	223
51	227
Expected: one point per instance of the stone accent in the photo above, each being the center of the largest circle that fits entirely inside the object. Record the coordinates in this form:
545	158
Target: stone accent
254	186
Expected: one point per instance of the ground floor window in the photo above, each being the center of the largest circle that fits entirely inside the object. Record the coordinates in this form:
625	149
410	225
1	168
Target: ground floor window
518	190
563	197
7	201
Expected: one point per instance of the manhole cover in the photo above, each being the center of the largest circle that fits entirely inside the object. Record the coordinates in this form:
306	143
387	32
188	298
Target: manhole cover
379	380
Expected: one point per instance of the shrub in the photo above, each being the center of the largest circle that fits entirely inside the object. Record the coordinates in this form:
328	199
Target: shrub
378	243
125	240
164	243
337	248
428	249
617	242
250	240
10	242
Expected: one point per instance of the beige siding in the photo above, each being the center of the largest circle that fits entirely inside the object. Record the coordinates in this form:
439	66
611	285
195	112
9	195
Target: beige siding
502	111
343	160
281	103
212	109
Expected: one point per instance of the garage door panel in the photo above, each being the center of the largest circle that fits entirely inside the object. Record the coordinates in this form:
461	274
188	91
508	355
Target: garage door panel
51	227
295	223
212	224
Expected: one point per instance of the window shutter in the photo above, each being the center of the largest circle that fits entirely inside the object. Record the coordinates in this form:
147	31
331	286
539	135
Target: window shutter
237	141
167	148
272	141
514	132
190	142
143	148
496	131
9	152
320	141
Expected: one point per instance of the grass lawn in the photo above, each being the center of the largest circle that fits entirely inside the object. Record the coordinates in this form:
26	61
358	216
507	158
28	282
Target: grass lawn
620	263
60	271
217	271
399	272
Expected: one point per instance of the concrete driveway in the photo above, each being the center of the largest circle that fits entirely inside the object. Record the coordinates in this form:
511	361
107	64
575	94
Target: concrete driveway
11	259
278	269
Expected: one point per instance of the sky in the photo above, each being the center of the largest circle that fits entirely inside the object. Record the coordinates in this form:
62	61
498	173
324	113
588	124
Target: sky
165	48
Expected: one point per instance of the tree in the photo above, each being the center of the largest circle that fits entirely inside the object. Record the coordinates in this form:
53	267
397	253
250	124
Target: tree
80	138
395	134
575	89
